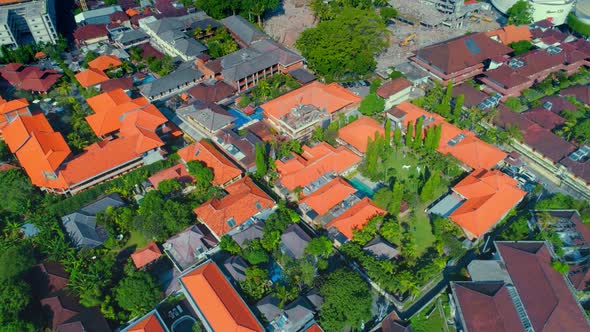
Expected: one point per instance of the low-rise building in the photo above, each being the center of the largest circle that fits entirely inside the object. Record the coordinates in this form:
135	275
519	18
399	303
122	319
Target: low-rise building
395	91
29	78
242	204
224	171
294	240
188	247
528	295
318	200
90	34
183	78
240	148
91	78
300	111
356	135
208	117
347	218
145	256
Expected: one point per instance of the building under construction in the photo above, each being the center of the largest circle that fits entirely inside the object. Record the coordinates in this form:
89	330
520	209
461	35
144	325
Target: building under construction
433	13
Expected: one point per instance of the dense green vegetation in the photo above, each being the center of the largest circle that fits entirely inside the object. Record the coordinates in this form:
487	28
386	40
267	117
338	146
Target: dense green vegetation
578	26
344	46
248	8
520	13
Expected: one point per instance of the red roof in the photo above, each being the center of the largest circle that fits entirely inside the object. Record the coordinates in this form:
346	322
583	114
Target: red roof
510	34
29	78
545	118
105	62
330	194
146	255
301	170
489	195
243	201
90	31
150	51
178	172
581	92
547	143
358	133
330	97
486	307
392	87
12	108
314	328
547	299
151	323
218	301
212	93
91	77
125	83
223	169
355	217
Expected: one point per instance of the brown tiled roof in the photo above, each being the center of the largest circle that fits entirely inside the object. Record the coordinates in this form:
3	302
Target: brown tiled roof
125	83
507	117
90	31
212	93
473	96
579	276
486	307
548	301
580	169
462	52
545	118
390	88
547	143
581	92
150	51
559	104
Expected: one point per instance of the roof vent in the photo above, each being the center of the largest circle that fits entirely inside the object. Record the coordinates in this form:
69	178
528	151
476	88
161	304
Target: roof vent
581	153
552	50
548	105
515	63
457	139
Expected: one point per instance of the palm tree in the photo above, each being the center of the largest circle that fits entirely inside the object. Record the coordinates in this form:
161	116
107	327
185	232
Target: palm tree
197	33
514	132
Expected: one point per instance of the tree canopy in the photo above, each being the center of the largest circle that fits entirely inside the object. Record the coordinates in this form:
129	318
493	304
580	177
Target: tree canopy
520	13
138	293
346	45
347	301
372	104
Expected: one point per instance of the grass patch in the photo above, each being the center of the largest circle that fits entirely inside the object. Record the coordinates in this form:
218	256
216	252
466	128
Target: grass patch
433	323
136	239
422	230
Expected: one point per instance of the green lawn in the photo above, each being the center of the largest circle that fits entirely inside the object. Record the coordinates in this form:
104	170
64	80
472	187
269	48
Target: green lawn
400	160
420	227
136	239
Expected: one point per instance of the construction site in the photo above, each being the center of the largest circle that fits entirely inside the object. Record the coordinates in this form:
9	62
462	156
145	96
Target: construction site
425	22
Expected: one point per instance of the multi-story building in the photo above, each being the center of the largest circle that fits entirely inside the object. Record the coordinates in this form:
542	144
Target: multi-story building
27	21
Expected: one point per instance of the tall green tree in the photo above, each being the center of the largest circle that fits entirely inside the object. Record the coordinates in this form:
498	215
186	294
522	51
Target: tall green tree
419	131
388	131
319	246
410	134
344	45
137	293
397	137
260	159
521	13
347	302
372	104
459	101
396	198
15	260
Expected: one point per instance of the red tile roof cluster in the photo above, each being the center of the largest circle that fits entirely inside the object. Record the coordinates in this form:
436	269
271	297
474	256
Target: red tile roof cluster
328	196
212	93
244	200
547	299
119	17
224	170
489	195
146	255
473	96
358	133
149	51
581	92
329	97
91	77
111	108
544	117
125	83
462	52
178	172
355	217
11	109
104	62
30	78
90	31
392	87
314	162
470	150
218	301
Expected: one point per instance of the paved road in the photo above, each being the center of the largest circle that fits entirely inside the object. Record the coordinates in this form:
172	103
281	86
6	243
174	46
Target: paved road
186	127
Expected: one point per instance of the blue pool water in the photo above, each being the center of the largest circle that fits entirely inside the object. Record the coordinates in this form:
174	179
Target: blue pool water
242	118
363	188
148	78
275	272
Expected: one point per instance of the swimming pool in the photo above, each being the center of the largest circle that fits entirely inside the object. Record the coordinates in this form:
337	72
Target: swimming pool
362	187
275	272
242	119
148	78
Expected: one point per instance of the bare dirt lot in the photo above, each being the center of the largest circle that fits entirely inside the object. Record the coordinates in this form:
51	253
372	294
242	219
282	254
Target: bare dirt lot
286	26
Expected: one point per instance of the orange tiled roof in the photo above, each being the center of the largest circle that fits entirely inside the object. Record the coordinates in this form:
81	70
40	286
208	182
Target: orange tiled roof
511	33
218	301
328	195
356	217
178	172
146	255
357	133
471	150
131	12
105	62
149	324
38	148
244	200
111	107
314	162
314	328
91	77
331	97
10	109
489	196
223	169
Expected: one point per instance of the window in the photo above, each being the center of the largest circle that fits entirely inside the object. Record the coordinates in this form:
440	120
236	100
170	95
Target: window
231	222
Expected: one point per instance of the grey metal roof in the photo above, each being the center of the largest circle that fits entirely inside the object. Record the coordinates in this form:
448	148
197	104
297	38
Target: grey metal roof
130	36
447	205
181	76
299	312
236	267
97	16
269	307
188	46
294	240
253	232
102	204
489	270
314	297
185	246
285	56
245	62
210	116
302	75
243	30
381	249
204	23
